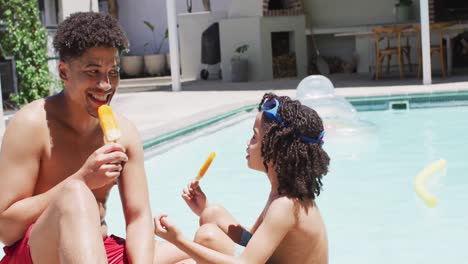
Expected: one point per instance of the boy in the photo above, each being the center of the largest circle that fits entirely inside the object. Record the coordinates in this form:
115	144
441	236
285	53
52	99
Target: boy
286	145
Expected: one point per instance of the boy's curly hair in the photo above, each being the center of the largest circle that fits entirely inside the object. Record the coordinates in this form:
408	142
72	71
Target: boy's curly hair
299	165
84	30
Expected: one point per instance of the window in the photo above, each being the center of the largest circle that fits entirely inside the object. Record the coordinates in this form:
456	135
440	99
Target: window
48	10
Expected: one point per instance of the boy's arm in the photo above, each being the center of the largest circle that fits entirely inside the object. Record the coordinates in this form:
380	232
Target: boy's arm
257	223
135	200
279	219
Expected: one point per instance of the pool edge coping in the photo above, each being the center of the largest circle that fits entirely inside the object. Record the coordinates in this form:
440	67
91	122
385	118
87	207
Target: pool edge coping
199	125
150	143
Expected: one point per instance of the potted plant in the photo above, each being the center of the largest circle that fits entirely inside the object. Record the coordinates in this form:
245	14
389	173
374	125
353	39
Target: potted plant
403	10
206	5
239	65
155	62
132	65
168	55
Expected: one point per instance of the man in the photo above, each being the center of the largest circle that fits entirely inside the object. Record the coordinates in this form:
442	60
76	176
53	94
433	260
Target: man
57	170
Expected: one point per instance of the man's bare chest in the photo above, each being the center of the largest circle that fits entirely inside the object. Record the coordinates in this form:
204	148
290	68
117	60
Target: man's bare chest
62	157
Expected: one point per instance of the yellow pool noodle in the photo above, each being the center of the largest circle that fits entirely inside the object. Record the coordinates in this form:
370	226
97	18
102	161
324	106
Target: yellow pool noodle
205	166
421	178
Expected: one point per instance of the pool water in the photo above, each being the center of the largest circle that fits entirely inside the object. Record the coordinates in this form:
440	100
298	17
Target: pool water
368	201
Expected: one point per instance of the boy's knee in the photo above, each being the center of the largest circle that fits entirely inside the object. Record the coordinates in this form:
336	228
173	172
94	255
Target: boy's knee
211	213
208	235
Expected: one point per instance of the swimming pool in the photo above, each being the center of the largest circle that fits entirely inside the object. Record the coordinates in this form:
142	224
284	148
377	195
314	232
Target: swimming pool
368	202
370	209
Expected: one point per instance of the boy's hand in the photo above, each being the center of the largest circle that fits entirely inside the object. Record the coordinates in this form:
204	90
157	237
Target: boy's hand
165	229
103	166
194	197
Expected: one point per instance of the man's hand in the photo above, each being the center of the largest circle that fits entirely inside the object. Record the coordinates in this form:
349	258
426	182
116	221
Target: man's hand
103	166
195	197
166	230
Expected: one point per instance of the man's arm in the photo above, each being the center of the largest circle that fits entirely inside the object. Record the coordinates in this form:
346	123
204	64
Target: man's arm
135	200
19	159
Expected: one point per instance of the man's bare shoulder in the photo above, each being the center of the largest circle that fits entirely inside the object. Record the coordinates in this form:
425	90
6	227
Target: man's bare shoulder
23	136
31	116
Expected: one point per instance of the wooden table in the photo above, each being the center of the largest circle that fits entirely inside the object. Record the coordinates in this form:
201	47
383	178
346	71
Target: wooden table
366	36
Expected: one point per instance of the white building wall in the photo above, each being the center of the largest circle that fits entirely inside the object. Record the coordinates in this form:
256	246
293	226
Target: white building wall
256	32
339	13
191	28
238	32
67	7
296	26
132	13
250	8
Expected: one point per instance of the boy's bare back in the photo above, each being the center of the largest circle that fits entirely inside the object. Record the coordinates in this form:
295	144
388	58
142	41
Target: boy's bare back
307	241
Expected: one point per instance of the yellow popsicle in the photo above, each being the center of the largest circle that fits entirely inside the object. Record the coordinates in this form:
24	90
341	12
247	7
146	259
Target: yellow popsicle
109	125
205	166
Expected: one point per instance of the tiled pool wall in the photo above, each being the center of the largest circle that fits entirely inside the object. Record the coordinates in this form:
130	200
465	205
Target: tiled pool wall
410	101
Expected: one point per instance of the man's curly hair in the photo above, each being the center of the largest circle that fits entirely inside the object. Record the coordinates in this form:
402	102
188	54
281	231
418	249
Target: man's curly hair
84	30
299	165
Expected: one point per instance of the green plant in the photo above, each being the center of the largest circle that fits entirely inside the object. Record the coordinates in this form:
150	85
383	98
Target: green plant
404	3
26	39
240	51
154	46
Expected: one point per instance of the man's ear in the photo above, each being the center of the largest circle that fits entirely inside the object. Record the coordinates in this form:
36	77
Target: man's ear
63	71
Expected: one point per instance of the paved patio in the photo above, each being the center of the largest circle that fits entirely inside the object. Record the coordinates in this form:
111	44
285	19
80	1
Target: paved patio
156	110
160	111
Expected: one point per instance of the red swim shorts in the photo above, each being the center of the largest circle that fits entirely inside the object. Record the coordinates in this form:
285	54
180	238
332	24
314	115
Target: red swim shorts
19	253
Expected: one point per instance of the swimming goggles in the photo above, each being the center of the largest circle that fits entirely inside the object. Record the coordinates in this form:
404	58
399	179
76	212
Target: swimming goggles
270	110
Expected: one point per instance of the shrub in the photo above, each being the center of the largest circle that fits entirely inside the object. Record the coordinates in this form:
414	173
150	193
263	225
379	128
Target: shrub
26	39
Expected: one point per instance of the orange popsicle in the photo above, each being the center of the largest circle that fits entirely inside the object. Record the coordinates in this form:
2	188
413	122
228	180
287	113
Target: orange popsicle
109	125
205	166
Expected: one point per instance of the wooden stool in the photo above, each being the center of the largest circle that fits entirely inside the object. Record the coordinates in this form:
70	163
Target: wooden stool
438	49
387	34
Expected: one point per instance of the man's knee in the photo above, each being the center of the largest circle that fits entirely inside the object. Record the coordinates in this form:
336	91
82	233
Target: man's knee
74	201
208	235
75	198
211	213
